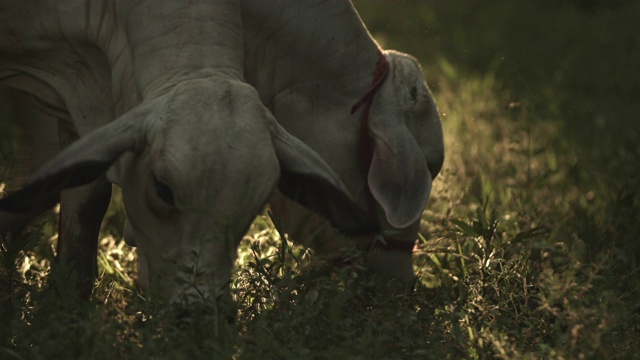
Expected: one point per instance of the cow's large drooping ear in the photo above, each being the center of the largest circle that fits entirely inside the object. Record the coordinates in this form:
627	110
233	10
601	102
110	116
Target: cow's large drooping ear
80	163
306	178
398	178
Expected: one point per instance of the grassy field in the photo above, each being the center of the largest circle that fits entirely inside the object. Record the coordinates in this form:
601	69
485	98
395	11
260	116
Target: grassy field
530	246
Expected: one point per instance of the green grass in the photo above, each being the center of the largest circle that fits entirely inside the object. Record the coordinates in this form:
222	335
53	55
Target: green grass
530	244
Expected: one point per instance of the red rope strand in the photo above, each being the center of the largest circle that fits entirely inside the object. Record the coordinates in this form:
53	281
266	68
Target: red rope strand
366	144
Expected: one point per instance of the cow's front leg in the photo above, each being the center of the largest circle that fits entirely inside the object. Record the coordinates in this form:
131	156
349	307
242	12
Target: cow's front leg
81	212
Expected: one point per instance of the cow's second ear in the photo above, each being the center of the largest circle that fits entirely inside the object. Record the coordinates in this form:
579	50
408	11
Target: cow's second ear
82	162
307	179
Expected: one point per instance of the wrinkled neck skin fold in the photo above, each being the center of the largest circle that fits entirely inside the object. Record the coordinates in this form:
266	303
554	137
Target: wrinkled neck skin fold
94	60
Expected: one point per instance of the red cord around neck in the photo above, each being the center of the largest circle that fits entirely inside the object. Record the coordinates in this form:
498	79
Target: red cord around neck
365	147
366	144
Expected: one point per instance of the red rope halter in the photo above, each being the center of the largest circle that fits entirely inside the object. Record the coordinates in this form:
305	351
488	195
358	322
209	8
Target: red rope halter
366	144
365	147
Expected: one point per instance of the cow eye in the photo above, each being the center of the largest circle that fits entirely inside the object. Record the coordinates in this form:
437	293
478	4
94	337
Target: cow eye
164	191
414	93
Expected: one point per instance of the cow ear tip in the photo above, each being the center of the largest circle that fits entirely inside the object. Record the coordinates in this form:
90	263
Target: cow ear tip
401	221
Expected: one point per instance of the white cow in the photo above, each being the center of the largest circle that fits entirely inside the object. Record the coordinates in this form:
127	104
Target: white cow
311	62
154	93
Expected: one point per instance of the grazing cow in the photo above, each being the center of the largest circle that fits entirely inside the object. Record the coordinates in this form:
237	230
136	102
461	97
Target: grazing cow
368	113
150	95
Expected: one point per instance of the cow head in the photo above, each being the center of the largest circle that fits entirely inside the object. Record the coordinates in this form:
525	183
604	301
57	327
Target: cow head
196	165
207	168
